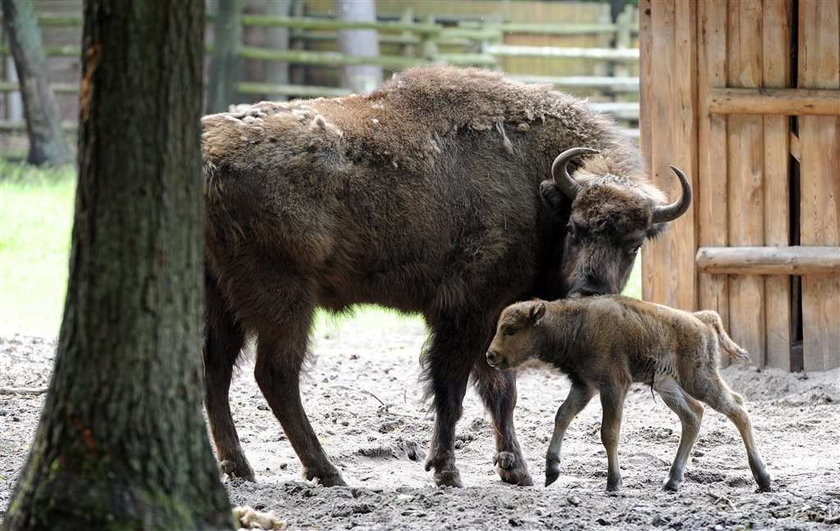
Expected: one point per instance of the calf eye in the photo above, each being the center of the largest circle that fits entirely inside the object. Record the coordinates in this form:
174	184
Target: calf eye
509	331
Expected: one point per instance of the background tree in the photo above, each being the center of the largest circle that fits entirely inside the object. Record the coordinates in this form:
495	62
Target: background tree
277	39
121	441
47	144
225	64
365	43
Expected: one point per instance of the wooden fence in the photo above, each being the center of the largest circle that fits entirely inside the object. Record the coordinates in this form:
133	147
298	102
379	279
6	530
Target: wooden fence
745	96
604	51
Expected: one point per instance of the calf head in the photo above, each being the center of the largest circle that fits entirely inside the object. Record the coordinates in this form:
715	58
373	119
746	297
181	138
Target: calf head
611	217
516	335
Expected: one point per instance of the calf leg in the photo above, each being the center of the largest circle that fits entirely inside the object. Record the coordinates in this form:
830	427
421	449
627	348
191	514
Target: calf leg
690	412
612	402
454	350
731	405
498	391
223	340
579	396
280	354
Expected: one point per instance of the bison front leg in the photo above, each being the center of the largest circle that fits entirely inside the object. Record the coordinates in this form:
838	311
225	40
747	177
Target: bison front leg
498	391
448	361
277	371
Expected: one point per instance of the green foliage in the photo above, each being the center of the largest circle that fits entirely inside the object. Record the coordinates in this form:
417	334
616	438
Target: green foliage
36	216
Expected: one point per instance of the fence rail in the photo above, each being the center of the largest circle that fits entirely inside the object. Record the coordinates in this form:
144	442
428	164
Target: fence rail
408	42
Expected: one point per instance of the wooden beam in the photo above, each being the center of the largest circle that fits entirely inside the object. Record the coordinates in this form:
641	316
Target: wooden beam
788	260
774	101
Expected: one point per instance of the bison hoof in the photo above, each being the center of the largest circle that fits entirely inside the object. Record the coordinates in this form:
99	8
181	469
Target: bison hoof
512	469
613	486
327	478
446	473
448	478
671	486
236	470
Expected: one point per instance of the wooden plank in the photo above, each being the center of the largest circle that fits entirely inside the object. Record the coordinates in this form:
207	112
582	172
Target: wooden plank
776	70
795	147
745	135
668	262
659	273
645	88
712	211
774	101
770	260
819	68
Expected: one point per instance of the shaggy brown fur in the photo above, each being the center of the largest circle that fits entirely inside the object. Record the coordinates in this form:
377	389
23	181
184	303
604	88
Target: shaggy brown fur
606	343
423	196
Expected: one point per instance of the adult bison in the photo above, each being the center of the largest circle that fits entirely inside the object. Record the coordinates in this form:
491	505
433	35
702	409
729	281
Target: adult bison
428	195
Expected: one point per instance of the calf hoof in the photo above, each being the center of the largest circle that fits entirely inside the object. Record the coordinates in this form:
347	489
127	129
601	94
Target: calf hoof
552	470
764	486
763	483
235	469
512	469
327	478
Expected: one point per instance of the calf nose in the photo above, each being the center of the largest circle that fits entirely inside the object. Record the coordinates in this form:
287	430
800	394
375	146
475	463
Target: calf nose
492	356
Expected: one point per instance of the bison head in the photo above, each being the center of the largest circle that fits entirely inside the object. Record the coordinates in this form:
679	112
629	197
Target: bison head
611	217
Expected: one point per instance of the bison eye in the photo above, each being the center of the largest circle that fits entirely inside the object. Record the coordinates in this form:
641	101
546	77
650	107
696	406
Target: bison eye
635	250
509	331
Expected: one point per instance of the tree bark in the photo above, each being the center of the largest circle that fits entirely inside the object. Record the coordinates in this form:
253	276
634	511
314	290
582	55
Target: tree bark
47	144
122	441
362	78
277	39
225	65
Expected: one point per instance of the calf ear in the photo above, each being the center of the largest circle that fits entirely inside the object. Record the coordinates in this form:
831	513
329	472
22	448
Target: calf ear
537	313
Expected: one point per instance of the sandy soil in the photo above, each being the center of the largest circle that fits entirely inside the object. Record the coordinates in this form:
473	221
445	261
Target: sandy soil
363	398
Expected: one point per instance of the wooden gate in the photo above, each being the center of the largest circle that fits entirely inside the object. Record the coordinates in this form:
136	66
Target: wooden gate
745	96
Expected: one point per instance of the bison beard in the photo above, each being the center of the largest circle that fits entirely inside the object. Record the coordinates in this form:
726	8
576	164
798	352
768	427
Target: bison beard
428	195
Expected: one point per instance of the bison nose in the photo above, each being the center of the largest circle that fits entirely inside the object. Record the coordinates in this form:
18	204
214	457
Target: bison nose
587	289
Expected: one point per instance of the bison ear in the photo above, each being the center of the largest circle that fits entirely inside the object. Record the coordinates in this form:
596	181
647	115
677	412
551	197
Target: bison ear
553	197
537	313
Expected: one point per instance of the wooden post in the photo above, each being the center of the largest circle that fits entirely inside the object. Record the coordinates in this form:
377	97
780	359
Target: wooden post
819	68
776	70
745	169
712	210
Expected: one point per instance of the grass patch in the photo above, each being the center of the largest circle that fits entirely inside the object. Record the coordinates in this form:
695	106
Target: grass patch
36	213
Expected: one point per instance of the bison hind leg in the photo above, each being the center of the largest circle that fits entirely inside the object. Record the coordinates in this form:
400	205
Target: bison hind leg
223	339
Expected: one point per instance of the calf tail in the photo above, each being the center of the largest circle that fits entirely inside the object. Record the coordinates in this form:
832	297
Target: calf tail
732	349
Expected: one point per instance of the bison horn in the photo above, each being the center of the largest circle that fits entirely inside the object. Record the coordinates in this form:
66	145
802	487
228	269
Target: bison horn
671	212
563	180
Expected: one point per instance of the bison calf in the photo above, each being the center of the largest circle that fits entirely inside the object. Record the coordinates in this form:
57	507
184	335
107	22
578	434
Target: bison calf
606	343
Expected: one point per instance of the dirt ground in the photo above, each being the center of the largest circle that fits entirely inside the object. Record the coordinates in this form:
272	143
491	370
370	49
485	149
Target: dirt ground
363	398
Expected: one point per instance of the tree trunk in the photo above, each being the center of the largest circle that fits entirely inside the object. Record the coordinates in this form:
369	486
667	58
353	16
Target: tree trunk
122	441
47	144
277	39
225	65
362	78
